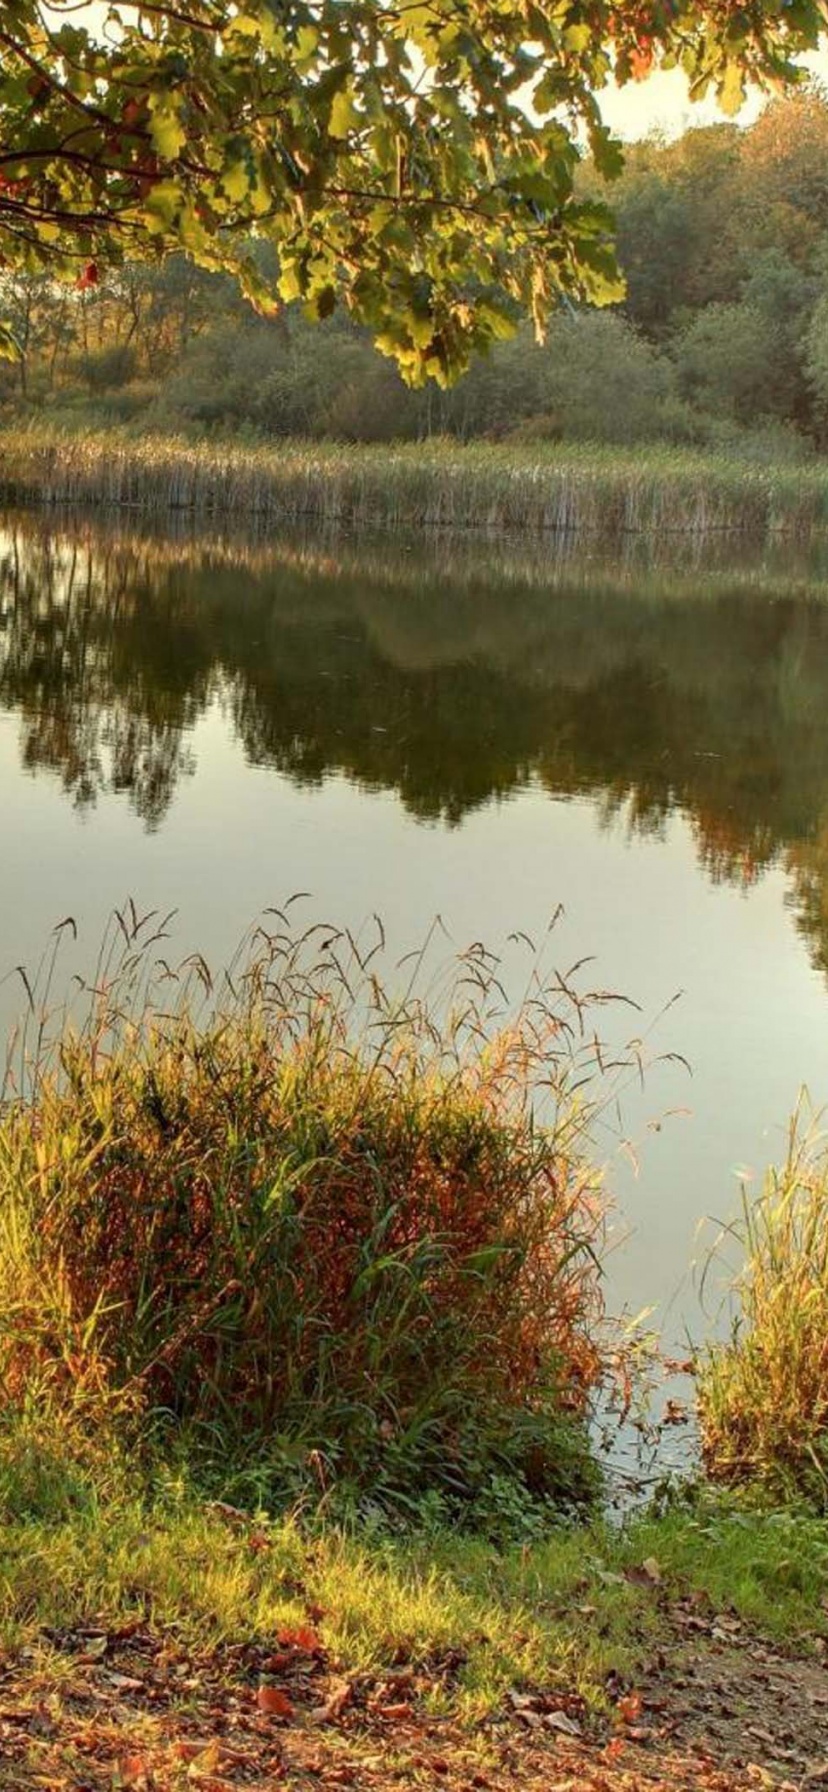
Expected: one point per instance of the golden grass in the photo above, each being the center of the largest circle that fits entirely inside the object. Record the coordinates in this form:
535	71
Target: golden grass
429	484
763	1394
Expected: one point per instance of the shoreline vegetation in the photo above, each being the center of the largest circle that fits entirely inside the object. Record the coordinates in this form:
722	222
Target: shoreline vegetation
324	1237
300	1328
561	490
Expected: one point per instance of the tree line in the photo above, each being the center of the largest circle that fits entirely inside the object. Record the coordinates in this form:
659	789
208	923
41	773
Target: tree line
721	338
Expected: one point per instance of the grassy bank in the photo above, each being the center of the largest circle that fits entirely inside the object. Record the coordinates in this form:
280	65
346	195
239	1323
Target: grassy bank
162	1643
431	484
508	1617
300	1321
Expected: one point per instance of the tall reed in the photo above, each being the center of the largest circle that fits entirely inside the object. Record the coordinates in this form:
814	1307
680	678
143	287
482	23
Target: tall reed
432	484
763	1393
302	1218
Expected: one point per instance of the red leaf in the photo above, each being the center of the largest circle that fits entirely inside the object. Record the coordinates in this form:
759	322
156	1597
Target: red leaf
303	1638
89	277
273	1702
629	1708
641	61
132	1771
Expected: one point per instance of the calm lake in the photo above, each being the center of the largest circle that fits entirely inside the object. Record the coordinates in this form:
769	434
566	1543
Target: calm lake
471	727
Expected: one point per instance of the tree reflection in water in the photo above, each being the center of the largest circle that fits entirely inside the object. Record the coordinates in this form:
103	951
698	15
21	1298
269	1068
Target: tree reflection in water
452	671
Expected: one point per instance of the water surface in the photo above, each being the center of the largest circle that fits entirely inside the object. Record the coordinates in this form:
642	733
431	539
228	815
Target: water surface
464	727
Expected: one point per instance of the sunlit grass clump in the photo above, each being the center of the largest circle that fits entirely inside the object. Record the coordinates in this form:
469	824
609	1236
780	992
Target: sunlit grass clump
763	1395
313	1231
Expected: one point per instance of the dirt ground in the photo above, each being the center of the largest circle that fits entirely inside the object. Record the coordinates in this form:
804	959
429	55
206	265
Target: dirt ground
716	1711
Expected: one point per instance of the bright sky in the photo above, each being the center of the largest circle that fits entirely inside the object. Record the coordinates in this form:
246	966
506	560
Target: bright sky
661	103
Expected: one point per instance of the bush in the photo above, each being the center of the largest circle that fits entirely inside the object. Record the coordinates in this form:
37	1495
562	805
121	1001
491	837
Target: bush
289	378
312	1227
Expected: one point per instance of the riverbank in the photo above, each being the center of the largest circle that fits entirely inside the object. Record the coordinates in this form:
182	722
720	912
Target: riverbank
298	1340
599	491
162	1642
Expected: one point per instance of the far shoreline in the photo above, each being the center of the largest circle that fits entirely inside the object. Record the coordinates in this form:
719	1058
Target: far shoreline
556	489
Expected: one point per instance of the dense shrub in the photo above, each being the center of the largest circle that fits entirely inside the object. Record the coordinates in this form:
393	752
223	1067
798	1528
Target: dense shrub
314	1224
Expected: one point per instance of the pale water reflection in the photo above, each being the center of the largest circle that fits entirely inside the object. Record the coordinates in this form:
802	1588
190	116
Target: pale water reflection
469	728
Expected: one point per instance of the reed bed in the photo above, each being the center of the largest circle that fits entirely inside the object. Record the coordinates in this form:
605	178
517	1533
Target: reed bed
334	1235
586	489
763	1394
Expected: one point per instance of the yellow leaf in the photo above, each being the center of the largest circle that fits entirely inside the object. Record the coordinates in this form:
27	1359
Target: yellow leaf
344	115
167	131
205	1764
289	284
732	90
236	180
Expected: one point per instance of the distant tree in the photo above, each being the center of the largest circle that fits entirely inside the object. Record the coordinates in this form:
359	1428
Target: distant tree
724	361
412	159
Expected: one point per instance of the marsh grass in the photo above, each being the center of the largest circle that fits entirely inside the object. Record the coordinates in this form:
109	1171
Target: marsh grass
586	489
763	1393
310	1228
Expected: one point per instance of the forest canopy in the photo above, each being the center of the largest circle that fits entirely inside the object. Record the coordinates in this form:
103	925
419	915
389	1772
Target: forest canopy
412	162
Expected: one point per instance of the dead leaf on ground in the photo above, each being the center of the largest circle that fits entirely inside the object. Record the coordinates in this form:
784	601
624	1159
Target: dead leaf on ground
303	1639
558	1720
629	1707
273	1702
338	1699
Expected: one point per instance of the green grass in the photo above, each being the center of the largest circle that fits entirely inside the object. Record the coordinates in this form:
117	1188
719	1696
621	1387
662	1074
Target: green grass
763	1394
566	1609
429	484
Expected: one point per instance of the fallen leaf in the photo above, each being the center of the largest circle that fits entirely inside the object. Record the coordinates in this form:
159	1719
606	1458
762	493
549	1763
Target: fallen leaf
273	1702
205	1765
560	1721
183	1750
276	1664
303	1638
629	1708
132	1771
652	1569
339	1697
